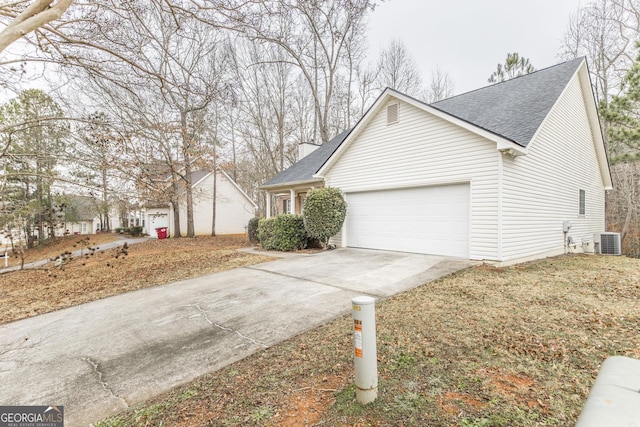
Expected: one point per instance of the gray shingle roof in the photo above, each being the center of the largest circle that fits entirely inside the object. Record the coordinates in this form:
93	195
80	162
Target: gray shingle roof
513	109
305	168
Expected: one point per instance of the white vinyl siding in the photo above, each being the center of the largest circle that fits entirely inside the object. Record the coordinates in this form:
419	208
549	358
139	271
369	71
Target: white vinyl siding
424	150
542	189
233	209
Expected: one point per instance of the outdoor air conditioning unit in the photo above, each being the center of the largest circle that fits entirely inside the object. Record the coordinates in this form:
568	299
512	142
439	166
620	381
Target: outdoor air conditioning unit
607	243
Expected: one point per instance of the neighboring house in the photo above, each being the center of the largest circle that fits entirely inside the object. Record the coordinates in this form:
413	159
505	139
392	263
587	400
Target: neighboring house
493	174
81	217
233	207
154	216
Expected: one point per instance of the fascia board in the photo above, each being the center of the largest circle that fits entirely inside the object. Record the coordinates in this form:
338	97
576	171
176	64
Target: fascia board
596	129
289	185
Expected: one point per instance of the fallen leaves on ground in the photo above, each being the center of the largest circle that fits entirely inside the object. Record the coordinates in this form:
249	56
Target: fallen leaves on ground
98	275
60	245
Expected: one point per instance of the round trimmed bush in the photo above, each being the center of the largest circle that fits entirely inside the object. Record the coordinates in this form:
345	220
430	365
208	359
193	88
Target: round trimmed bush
324	212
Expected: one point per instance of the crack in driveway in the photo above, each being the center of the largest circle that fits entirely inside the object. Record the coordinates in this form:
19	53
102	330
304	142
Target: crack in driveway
224	328
22	344
105	385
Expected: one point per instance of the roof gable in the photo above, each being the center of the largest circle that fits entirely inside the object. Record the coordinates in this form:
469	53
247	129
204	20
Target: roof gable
199	177
513	109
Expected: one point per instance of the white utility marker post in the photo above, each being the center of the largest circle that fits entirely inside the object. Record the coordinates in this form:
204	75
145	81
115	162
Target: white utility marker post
365	358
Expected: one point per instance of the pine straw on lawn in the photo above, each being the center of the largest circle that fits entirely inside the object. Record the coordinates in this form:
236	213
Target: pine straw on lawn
28	293
518	346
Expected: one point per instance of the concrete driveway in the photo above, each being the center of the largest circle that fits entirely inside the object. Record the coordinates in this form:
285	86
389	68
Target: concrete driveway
98	358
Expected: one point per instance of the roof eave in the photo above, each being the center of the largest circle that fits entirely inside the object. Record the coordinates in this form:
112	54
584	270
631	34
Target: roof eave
288	185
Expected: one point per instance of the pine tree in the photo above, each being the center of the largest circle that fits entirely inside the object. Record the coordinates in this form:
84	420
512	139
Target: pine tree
622	115
514	66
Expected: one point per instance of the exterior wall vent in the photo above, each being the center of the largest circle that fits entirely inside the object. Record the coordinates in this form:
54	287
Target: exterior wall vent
607	243
392	113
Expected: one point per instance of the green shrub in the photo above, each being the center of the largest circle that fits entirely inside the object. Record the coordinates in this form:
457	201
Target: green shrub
134	231
252	230
282	233
324	212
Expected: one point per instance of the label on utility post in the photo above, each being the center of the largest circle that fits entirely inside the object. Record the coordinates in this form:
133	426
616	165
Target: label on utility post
357	337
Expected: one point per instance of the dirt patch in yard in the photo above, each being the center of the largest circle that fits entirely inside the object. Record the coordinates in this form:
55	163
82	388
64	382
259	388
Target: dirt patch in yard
98	275
454	402
304	405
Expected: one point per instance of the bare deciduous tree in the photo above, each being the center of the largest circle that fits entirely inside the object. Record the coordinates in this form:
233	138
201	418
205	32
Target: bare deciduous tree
24	17
605	32
398	70
158	70
439	86
315	37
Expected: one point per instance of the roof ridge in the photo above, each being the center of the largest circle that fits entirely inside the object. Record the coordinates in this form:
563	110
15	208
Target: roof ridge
515	108
581	58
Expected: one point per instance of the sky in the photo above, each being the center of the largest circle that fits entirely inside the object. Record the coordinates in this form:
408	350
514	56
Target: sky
468	38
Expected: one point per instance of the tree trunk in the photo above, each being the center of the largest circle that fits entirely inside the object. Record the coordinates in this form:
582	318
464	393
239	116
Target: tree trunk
40	199
215	184
175	204
187	174
106	225
176	219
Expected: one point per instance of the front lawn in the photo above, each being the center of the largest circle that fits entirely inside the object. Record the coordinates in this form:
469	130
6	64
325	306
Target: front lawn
519	346
98	275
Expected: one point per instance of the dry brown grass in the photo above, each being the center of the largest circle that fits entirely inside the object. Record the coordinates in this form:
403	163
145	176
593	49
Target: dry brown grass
518	346
55	248
103	274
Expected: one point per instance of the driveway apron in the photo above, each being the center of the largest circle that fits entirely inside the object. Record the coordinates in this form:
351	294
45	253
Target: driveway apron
101	357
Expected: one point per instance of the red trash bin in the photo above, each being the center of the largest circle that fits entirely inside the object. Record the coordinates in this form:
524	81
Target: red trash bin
161	232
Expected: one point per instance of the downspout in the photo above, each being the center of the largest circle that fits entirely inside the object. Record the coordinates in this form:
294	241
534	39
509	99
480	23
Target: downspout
500	189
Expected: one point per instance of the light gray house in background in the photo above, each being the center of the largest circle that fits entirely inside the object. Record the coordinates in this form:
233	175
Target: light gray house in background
234	208
81	216
513	171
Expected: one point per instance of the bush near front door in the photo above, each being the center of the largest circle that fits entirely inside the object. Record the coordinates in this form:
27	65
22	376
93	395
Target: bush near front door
282	233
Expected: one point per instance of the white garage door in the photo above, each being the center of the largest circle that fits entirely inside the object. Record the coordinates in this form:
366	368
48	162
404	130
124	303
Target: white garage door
429	220
157	220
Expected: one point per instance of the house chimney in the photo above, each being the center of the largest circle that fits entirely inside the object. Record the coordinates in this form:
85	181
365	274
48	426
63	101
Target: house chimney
306	148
